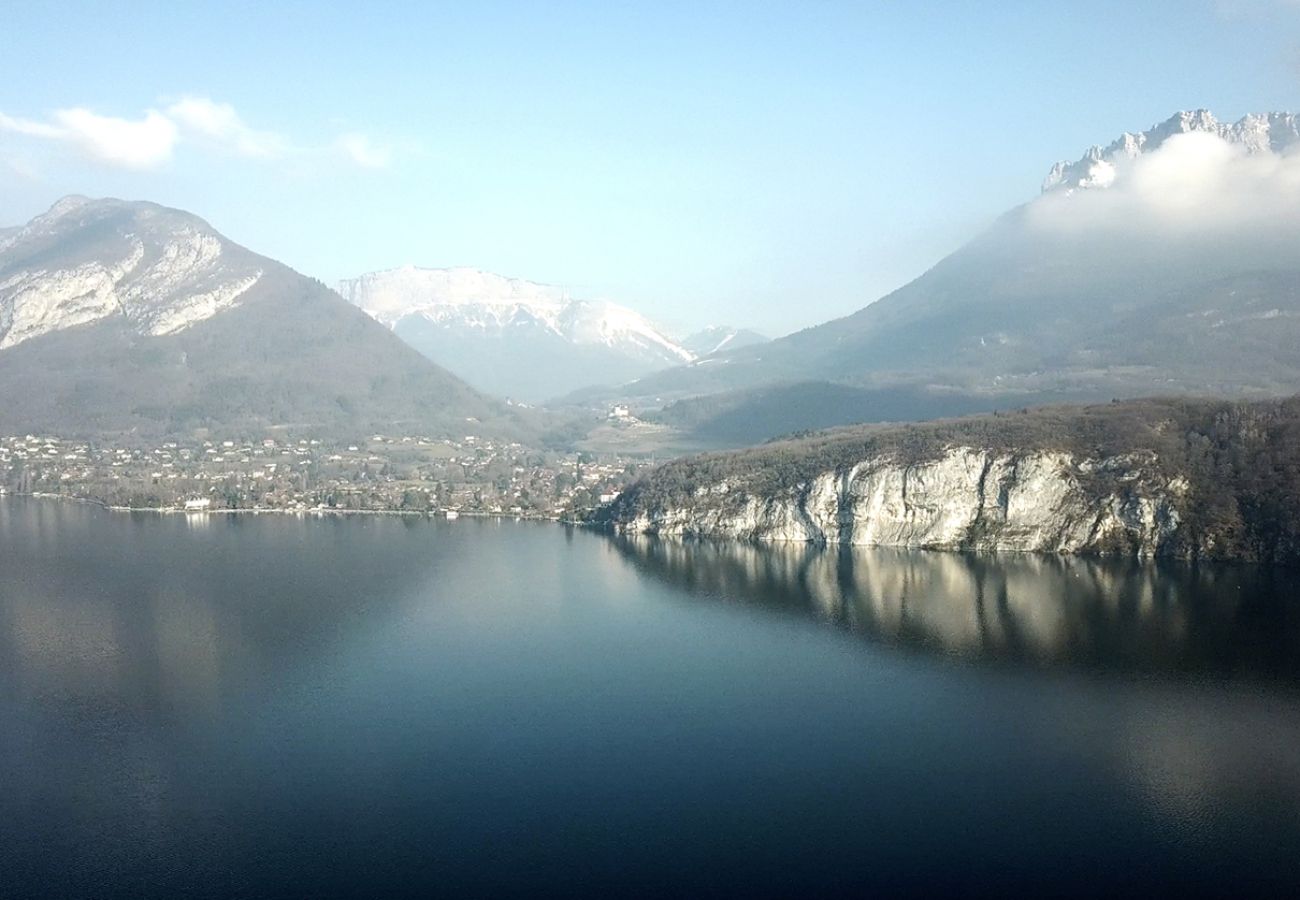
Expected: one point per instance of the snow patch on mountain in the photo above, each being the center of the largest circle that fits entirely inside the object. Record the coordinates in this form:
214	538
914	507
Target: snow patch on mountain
481	302
719	338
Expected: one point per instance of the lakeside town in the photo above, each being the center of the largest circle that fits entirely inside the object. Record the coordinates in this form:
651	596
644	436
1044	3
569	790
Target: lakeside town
407	474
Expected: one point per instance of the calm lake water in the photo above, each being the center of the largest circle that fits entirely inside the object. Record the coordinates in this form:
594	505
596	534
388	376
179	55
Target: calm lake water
278	706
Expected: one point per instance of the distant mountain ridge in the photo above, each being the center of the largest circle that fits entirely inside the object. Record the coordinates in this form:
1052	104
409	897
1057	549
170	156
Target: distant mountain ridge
121	317
511	337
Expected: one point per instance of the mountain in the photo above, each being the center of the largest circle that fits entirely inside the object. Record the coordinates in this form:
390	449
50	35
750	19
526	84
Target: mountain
511	337
1167	262
128	317
717	338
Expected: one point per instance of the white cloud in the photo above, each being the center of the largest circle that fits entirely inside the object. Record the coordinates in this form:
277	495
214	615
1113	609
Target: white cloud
1193	183
219	123
364	152
25	126
150	141
134	144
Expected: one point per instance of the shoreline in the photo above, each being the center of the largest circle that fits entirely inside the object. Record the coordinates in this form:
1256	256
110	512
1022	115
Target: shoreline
320	512
608	529
1141	558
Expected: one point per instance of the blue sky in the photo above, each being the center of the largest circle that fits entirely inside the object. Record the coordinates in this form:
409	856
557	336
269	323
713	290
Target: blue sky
765	164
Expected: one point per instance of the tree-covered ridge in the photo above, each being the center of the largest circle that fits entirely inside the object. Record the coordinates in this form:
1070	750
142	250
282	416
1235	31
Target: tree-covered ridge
1241	461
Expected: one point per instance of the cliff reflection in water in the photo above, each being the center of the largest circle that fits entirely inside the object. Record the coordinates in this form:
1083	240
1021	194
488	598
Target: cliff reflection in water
1037	609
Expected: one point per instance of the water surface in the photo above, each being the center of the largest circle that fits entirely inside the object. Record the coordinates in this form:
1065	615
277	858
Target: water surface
270	705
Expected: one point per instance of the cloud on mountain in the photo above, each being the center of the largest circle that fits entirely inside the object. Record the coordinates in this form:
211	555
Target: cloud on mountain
1193	184
152	139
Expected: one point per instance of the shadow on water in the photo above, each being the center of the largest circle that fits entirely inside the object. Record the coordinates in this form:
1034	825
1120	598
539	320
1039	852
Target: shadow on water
1163	617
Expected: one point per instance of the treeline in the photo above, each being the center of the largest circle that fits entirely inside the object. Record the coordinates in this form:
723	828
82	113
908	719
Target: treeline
1241	461
735	418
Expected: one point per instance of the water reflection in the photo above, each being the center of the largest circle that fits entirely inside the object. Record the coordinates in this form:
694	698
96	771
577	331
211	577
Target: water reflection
157	615
1029	609
252	706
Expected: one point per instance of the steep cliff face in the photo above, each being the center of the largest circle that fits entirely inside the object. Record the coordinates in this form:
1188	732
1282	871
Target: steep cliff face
1145	478
965	498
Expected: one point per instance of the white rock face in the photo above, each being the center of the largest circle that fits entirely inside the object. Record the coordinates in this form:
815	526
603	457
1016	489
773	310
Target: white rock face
193	308
966	499
160	270
1256	133
35	302
483	303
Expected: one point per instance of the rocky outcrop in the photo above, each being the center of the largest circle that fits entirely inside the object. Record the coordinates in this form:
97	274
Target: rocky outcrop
1209	479
158	270
963	498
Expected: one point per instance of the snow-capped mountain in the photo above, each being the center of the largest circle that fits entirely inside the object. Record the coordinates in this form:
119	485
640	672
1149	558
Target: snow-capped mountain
721	338
120	316
163	273
512	337
1255	133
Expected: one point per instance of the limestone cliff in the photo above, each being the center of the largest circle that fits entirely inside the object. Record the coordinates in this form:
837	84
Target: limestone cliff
964	498
1147	478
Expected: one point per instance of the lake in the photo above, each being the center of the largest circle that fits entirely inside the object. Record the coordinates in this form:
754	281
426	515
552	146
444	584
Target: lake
269	705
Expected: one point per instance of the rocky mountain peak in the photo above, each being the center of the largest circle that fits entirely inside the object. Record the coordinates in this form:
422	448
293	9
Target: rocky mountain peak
1255	133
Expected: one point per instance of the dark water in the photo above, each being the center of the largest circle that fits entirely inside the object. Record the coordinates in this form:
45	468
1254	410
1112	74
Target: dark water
274	706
